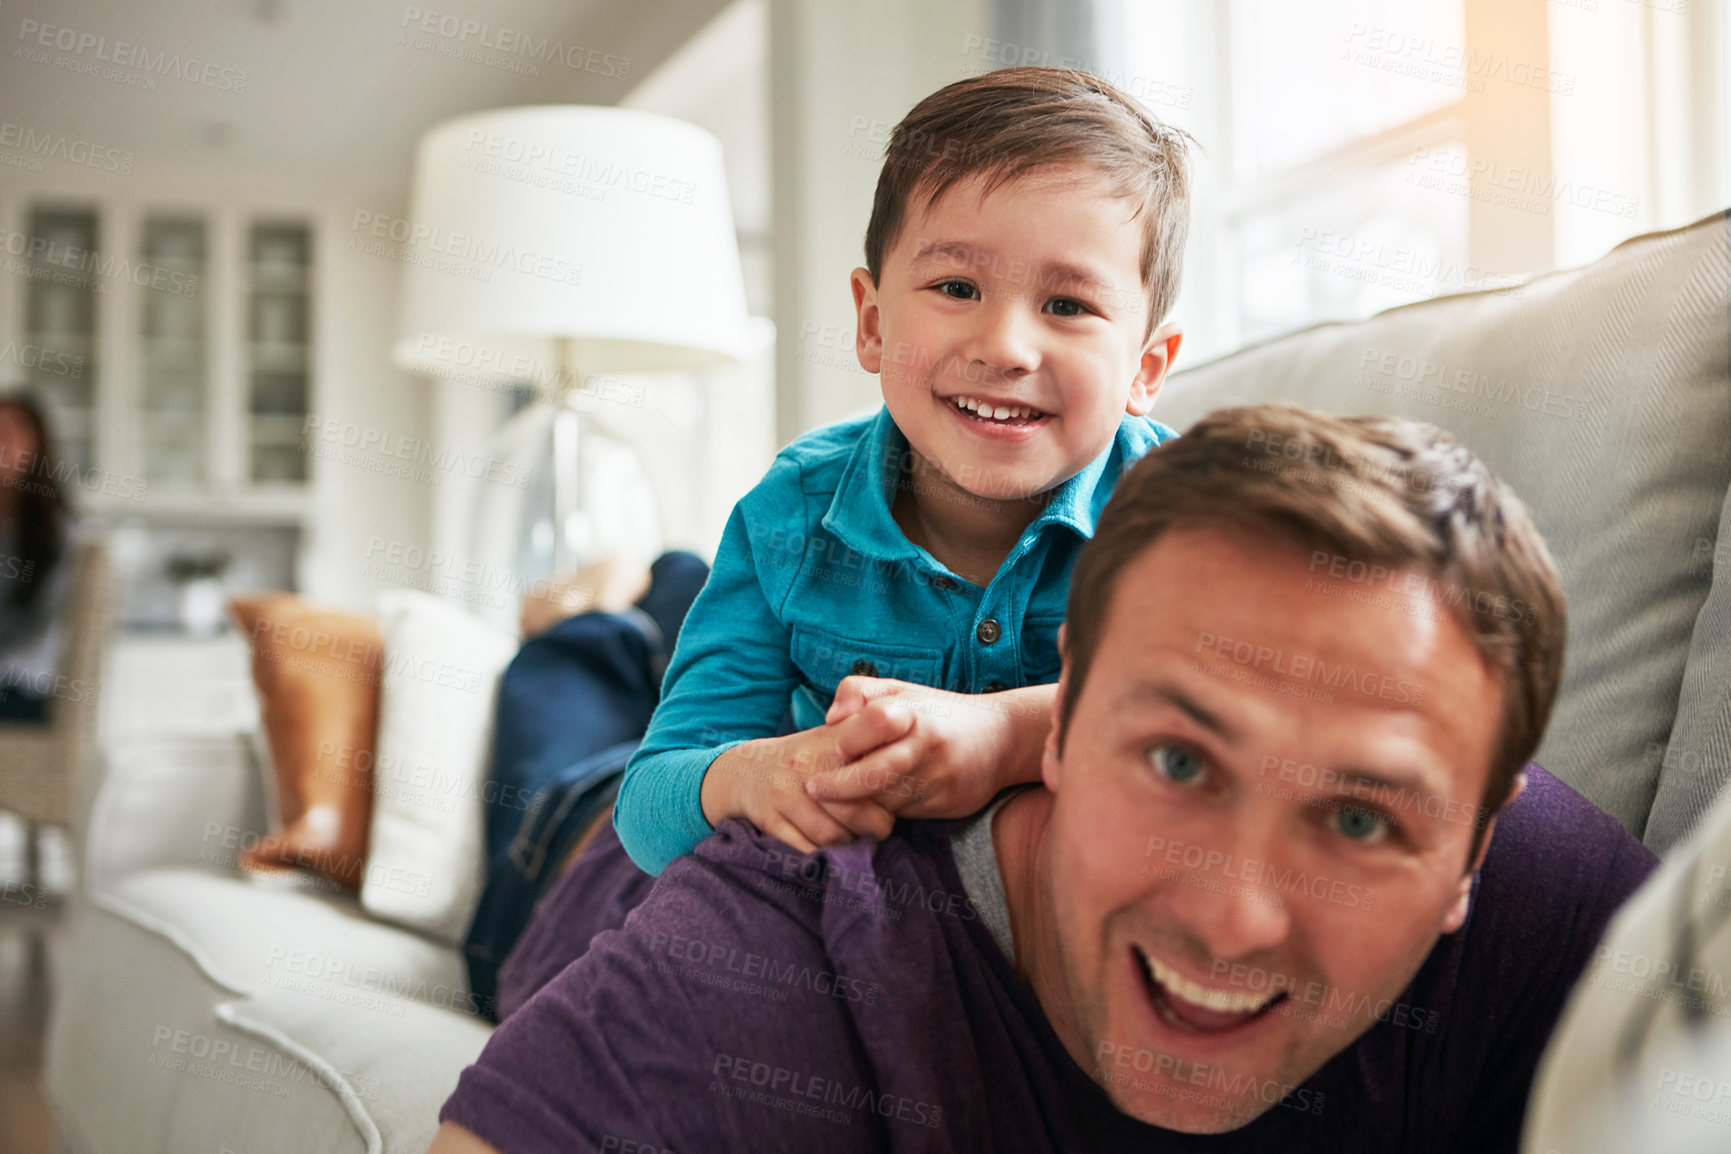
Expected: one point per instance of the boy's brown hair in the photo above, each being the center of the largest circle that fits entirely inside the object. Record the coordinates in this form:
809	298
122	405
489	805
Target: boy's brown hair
1369	491
1006	123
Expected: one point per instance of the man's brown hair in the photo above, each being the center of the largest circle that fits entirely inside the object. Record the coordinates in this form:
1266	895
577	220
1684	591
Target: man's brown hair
1004	124
1375	491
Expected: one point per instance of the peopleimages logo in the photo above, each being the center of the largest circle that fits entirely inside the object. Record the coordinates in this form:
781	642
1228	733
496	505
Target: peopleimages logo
746	964
496	154
1305	667
512	42
85	267
88	45
1115	1060
42	359
59	146
326	434
34	473
1260	874
420	244
802	1088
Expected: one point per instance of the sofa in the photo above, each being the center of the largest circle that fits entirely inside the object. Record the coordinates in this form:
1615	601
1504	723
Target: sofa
199	1010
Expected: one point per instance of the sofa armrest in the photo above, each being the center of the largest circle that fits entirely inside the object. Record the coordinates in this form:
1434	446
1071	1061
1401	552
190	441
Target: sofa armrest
391	1065
188	801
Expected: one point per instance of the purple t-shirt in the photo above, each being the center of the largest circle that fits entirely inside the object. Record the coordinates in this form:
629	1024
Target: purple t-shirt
853	1000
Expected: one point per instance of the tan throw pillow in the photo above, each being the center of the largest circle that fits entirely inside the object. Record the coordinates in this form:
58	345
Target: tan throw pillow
317	672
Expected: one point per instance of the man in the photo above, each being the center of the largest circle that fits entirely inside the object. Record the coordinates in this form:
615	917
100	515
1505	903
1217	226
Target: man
1288	883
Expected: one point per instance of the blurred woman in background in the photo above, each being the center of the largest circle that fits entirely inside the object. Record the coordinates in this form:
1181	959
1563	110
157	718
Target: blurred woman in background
36	535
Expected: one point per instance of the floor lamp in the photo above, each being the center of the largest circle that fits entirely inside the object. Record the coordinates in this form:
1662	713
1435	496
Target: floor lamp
551	246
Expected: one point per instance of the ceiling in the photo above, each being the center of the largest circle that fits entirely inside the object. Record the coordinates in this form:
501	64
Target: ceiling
334	92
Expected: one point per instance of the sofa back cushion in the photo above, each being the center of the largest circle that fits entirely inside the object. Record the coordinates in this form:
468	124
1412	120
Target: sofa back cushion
1600	394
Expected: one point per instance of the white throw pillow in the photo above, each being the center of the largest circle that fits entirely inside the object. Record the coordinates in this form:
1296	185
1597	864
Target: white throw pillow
425	863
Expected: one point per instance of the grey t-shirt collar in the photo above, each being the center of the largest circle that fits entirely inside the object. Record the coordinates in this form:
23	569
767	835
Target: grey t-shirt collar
977	863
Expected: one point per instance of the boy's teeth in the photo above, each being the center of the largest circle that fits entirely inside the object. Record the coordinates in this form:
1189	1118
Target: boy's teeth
1220	1001
994	412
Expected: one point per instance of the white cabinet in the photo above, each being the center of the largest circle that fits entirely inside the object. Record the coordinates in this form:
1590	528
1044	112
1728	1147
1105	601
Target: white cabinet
174	346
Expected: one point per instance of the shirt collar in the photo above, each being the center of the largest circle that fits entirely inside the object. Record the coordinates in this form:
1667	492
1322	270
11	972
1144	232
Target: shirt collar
859	515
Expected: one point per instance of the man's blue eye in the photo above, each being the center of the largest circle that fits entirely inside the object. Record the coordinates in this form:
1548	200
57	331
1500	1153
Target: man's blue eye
1360	824
1176	764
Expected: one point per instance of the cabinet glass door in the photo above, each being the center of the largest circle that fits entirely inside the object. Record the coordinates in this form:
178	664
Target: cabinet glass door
60	317
278	349
173	351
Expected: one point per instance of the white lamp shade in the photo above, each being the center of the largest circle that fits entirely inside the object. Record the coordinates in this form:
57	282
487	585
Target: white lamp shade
608	227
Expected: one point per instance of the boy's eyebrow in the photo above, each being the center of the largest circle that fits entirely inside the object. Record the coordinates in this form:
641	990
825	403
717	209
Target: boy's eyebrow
1054	272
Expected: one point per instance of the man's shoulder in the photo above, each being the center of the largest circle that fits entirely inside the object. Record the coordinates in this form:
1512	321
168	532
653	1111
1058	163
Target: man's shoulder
873	905
1557	870
867	877
732	1003
1552	845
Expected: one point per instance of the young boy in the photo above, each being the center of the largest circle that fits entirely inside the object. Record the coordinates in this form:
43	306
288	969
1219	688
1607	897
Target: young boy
1025	243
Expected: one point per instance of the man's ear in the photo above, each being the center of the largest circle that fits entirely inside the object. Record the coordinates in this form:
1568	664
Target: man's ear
868	337
1157	357
1051	770
1457	915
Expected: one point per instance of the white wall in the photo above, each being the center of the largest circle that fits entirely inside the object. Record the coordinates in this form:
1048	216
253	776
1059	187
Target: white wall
357	383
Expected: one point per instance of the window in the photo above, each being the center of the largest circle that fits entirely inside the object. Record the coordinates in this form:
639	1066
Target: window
1359	154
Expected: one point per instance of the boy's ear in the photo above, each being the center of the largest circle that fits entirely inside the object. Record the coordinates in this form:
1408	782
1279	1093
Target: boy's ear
868	337
1157	357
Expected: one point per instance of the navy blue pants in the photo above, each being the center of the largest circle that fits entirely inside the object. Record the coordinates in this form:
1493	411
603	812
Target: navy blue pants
573	704
17	704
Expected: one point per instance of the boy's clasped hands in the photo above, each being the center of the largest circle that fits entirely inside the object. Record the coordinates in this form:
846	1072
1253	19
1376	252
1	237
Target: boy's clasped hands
886	749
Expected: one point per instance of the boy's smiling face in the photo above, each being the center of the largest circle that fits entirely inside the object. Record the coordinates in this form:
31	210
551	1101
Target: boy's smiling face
1026	301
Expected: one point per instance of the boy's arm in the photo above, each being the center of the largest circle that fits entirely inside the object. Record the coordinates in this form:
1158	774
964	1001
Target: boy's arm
959	751
731	678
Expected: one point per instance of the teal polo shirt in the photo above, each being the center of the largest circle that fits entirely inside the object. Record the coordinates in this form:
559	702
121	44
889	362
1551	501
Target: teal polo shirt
814	580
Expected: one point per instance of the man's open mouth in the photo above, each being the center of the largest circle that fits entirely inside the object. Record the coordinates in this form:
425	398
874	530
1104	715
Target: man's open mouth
1197	1009
998	414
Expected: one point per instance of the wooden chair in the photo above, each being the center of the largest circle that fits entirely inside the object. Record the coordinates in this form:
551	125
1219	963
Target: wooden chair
42	763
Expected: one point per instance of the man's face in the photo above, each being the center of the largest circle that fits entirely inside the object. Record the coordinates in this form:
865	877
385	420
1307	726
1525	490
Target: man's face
1263	815
1028	302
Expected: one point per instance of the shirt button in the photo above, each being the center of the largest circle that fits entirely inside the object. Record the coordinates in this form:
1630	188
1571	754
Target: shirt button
947	584
988	631
864	668
995	686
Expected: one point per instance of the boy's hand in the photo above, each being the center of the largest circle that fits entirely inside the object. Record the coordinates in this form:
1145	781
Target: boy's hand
959	751
764	781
